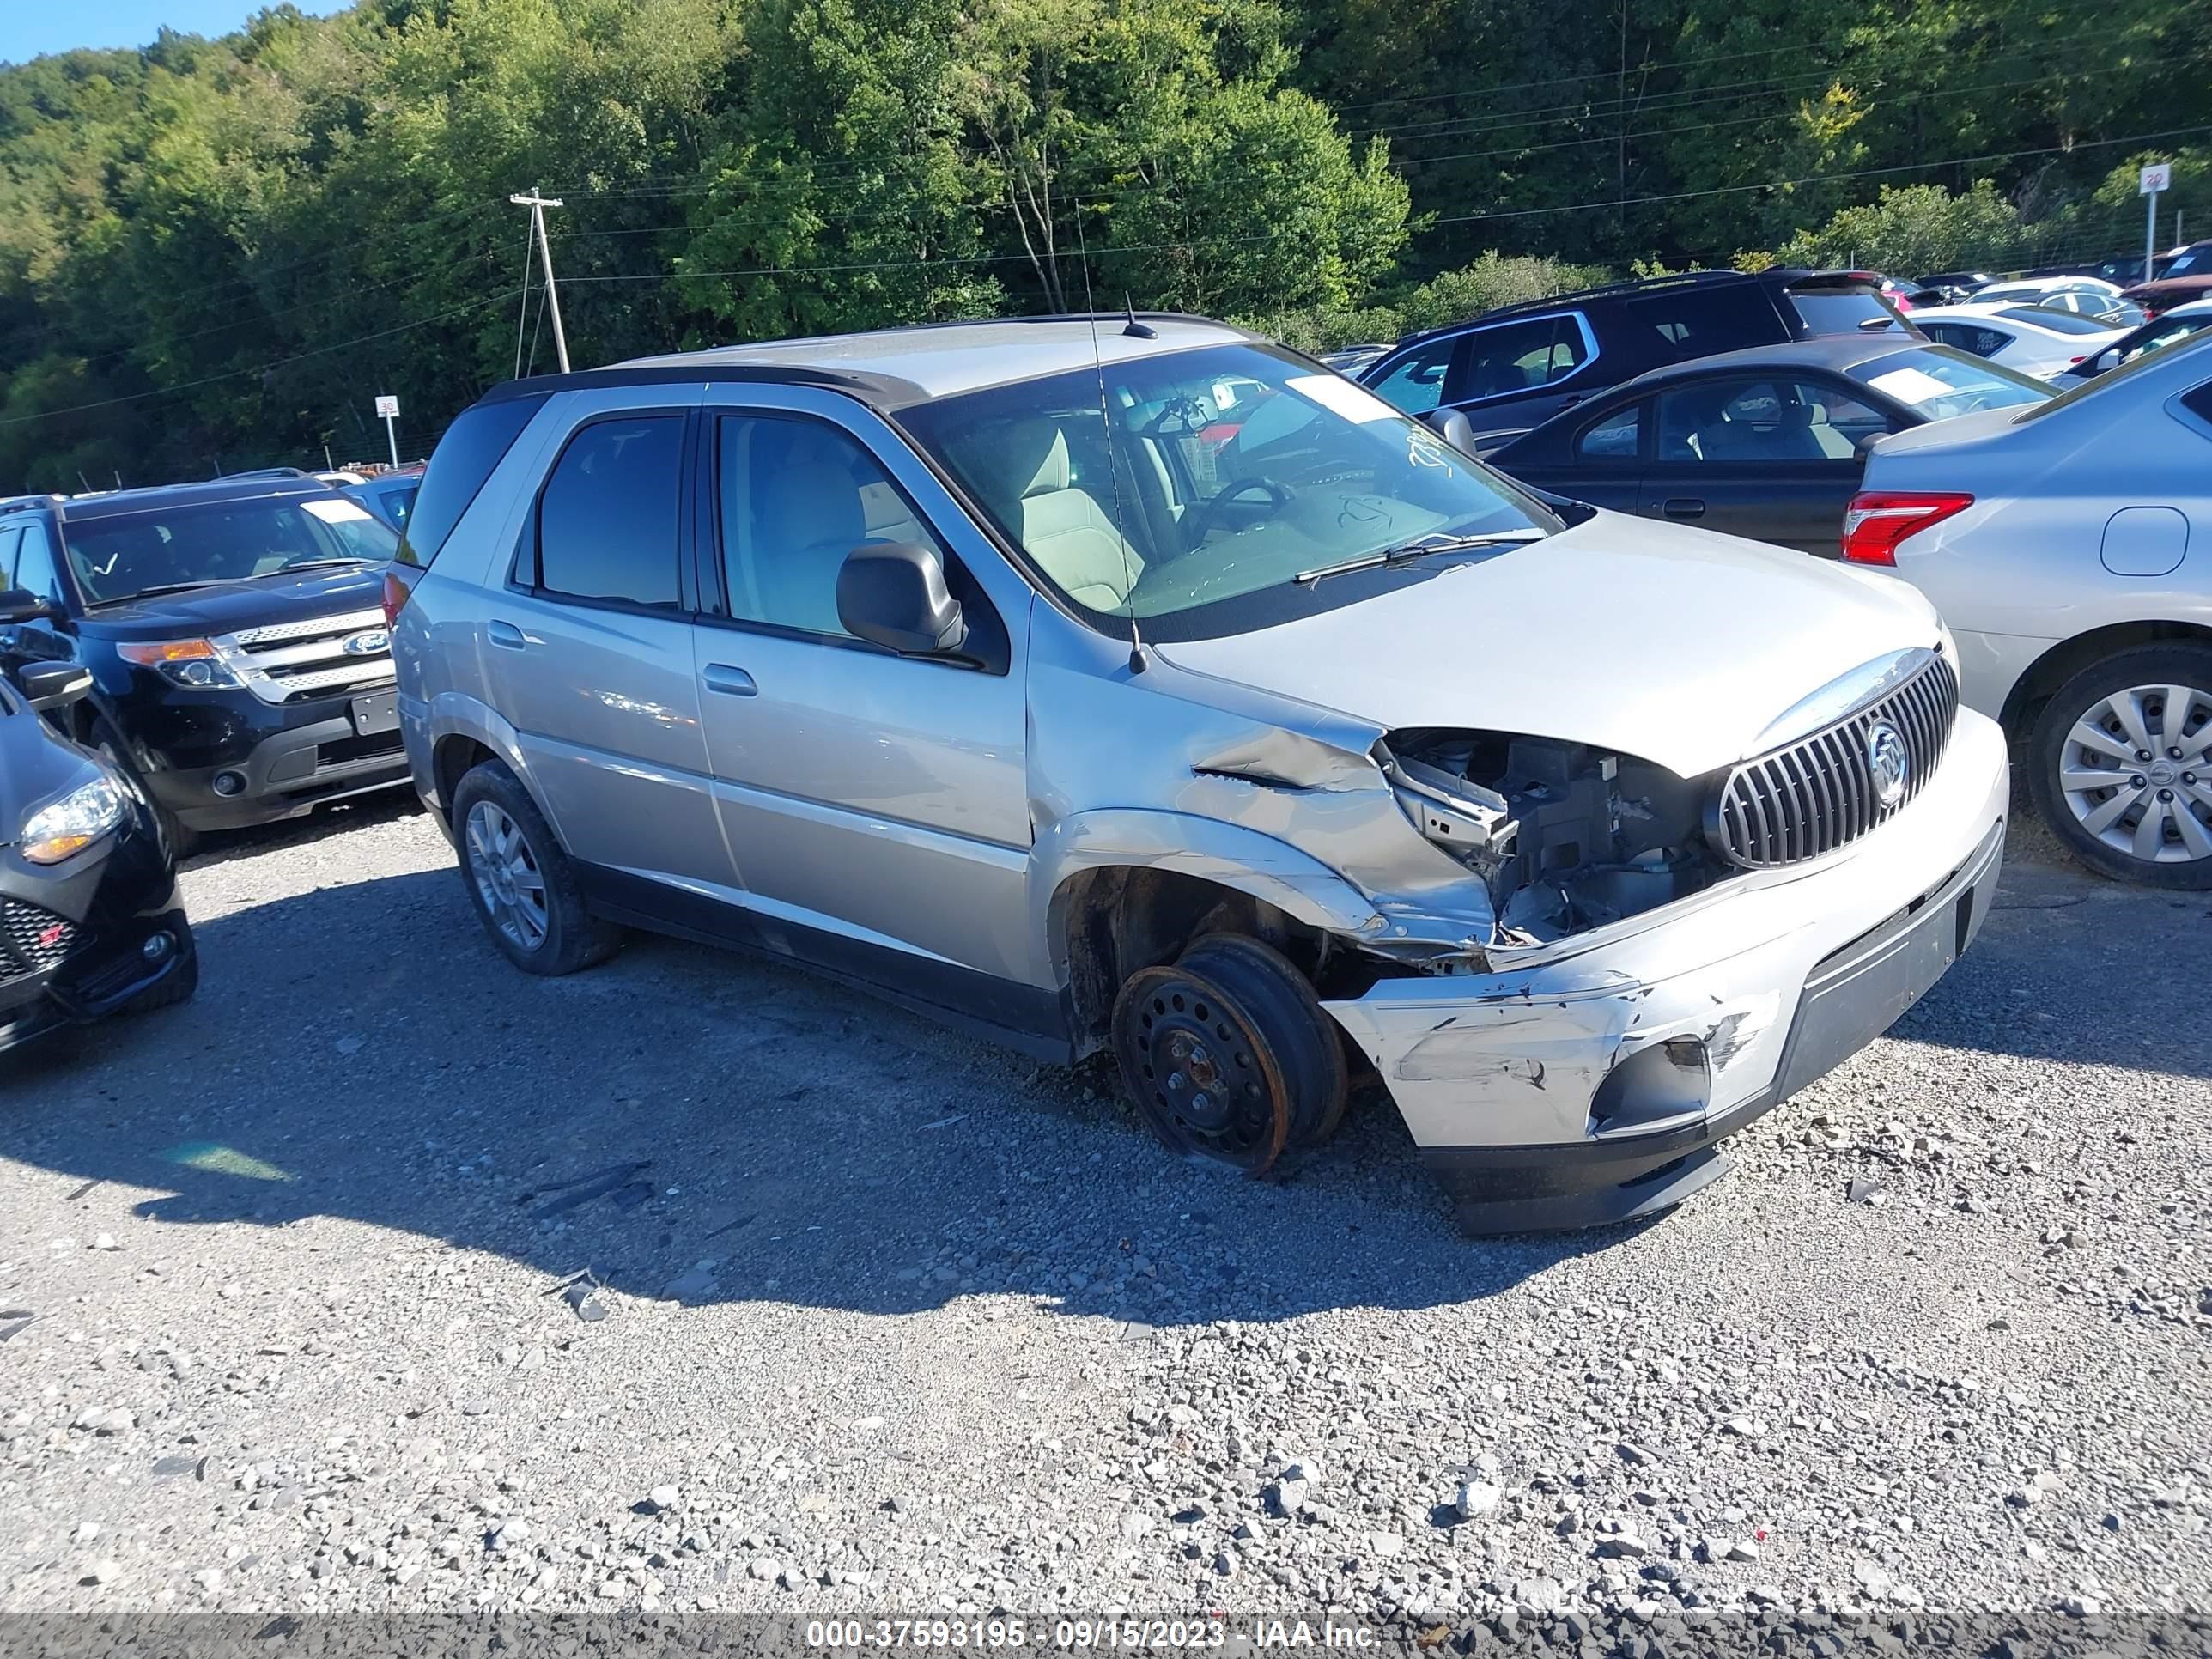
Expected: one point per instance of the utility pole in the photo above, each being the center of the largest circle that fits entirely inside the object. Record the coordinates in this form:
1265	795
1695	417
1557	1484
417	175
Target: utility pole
537	204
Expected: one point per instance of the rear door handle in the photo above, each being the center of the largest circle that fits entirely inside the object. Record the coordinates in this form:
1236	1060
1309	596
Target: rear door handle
731	681
1684	506
506	634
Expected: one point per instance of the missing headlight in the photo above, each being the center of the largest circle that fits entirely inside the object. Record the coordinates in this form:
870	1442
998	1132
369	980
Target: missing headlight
1566	837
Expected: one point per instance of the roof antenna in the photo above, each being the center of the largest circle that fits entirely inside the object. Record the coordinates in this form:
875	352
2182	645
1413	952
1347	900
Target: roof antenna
1136	329
1138	661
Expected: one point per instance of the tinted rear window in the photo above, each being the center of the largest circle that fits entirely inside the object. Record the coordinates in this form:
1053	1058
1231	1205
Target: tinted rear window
608	519
1843	310
1675	325
473	445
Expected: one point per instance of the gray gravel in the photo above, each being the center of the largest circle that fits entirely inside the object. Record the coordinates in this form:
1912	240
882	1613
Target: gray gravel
384	1277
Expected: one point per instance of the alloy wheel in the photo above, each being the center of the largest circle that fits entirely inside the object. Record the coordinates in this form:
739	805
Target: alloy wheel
507	876
2135	770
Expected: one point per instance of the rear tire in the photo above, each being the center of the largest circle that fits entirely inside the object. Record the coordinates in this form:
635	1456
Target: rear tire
2120	766
520	881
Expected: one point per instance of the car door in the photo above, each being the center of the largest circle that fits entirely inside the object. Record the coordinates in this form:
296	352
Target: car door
1775	457
1603	461
587	649
1511	377
878	804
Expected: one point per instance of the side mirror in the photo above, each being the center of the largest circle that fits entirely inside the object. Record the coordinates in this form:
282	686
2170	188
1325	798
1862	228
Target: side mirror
20	604
893	594
54	684
1453	427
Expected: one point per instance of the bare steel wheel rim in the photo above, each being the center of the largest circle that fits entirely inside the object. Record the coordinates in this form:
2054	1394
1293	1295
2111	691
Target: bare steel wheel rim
508	878
2135	770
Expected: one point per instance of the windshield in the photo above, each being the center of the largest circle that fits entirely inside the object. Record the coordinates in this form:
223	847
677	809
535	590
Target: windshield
1192	479
219	541
1939	382
2199	346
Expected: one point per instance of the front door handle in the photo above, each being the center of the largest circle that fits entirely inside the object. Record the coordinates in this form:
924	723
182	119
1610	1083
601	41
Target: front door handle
731	681
506	634
1684	506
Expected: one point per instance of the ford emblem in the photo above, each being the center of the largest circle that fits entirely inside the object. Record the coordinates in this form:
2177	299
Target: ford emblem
1889	762
370	644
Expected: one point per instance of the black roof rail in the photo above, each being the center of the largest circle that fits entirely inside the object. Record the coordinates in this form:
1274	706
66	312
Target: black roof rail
263	473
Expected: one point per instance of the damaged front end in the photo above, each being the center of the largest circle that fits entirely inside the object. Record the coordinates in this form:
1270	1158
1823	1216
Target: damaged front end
1564	836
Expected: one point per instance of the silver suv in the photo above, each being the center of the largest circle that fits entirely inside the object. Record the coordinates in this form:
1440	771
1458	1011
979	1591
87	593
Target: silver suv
1133	684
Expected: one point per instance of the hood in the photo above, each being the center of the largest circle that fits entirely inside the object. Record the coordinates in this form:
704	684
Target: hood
228	606
36	766
1676	645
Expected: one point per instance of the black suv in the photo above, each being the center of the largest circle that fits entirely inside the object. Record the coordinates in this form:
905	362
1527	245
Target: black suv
235	633
1511	369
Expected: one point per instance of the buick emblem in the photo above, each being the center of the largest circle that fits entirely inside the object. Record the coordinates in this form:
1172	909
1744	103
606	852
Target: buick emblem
366	644
1888	762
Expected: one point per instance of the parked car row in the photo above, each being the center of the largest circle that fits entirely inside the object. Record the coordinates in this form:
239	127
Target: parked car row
1131	685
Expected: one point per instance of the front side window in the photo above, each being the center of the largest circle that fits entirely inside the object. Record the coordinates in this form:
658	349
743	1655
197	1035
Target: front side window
1415	383
36	573
119	555
607	518
1523	356
1761	420
794	497
1134	492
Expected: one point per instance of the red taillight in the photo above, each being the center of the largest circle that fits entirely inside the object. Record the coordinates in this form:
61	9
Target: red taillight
2079	360
1878	519
397	591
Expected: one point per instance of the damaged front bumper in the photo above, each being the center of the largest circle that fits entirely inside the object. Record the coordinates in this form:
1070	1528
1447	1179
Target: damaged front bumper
1593	1087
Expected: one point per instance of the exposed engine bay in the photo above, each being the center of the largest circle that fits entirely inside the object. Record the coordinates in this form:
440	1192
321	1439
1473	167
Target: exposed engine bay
1566	837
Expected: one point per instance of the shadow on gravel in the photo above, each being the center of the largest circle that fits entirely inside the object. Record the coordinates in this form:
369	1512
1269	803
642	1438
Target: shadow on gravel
699	1126
696	1126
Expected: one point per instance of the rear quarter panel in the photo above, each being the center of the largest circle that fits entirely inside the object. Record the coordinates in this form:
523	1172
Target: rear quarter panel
2023	570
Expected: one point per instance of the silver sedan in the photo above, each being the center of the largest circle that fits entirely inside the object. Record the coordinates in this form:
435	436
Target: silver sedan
2068	546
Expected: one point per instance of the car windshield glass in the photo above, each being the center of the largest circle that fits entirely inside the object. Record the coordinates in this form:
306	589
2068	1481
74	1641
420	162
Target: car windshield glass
1161	485
2057	321
1843	310
1939	382
2197	348
116	556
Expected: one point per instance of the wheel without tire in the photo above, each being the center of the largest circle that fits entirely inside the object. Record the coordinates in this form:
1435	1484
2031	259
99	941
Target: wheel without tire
1304	1038
521	882
1200	1070
2121	766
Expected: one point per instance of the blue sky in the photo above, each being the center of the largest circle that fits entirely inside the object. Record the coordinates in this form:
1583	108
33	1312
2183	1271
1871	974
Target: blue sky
30	27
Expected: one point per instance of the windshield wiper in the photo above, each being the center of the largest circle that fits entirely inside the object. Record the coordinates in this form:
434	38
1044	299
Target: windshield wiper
316	564
170	588
1414	547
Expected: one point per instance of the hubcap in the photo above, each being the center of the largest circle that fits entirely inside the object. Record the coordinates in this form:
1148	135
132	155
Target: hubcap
507	876
2135	772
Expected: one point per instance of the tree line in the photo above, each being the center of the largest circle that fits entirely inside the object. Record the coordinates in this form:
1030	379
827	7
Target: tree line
214	253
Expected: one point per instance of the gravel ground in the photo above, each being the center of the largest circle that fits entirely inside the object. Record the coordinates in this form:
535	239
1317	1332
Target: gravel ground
383	1277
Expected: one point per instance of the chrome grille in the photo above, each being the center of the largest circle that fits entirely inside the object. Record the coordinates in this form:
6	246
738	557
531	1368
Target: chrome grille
31	939
288	662
1818	793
